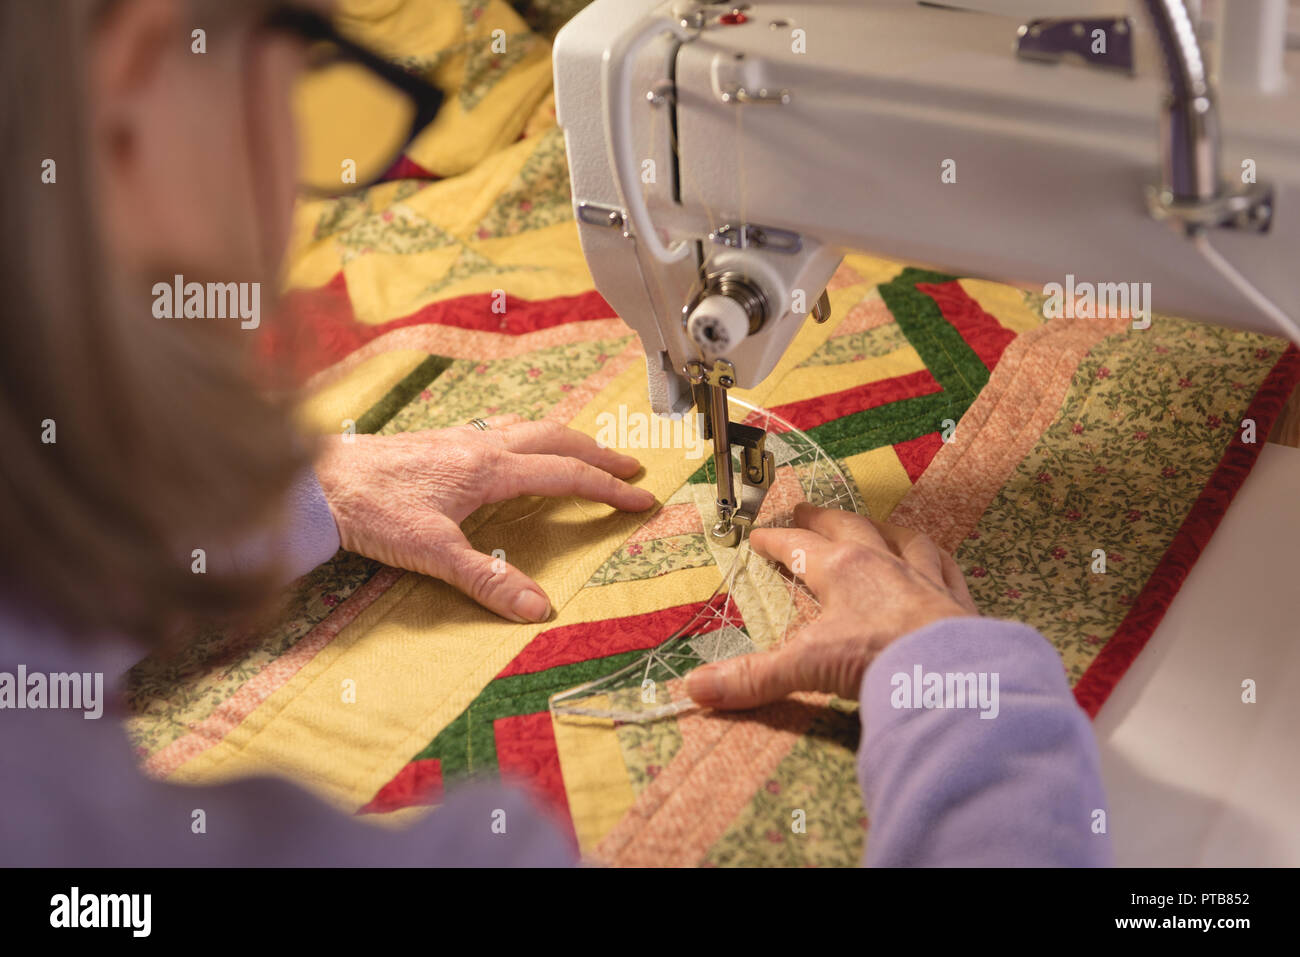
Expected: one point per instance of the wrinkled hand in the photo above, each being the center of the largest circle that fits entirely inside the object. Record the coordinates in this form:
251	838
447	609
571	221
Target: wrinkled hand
875	582
400	499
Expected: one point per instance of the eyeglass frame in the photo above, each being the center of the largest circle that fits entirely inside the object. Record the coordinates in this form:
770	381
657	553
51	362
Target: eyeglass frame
427	98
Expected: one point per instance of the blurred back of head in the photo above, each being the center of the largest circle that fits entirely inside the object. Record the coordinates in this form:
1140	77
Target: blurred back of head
162	442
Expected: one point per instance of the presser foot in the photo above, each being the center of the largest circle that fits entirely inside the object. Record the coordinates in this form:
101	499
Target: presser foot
757	465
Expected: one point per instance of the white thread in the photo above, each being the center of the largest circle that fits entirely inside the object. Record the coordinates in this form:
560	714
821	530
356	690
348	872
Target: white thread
1248	289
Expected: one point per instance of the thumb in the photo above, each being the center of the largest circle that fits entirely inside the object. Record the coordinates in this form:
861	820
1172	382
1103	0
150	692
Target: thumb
746	681
490	580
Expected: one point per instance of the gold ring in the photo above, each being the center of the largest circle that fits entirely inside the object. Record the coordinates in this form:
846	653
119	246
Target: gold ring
479	424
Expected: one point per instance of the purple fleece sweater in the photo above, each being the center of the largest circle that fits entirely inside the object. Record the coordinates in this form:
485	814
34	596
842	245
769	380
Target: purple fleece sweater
942	786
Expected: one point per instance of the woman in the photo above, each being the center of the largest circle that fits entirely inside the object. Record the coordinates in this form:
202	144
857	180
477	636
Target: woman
135	443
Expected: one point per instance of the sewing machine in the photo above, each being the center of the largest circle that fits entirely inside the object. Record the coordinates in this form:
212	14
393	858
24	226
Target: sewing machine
724	156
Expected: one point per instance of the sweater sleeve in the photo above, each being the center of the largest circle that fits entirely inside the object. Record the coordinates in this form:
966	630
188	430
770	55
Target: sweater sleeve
309	536
312	536
974	753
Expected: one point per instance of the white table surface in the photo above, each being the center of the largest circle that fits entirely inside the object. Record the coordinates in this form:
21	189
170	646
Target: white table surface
1193	775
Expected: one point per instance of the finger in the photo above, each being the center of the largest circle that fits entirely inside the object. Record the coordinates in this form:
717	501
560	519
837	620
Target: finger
839	525
816	661
491	581
554	439
559	475
744	682
799	550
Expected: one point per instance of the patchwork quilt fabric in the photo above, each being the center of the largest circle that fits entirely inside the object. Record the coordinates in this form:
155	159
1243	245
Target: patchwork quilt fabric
1074	467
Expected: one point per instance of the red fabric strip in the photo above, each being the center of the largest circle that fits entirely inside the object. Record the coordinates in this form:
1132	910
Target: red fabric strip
526	753
313	329
916	454
418	783
317	327
983	333
406	168
808	413
571	644
520	316
1154	600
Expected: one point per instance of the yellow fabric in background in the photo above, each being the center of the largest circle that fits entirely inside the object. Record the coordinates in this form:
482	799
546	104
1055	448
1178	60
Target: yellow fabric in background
432	36
362	386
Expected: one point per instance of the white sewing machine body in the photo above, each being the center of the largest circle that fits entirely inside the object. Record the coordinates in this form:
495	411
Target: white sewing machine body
841	142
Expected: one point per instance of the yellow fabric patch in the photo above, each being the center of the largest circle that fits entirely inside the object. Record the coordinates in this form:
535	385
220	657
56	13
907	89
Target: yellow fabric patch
356	391
1004	303
814	381
595	777
880	478
871	270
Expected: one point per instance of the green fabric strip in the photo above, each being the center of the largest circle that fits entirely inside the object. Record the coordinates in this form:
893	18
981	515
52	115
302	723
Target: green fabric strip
468	744
888	424
397	398
941	347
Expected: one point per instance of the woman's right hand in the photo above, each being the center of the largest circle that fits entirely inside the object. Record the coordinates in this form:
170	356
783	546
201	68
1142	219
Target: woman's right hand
875	582
400	498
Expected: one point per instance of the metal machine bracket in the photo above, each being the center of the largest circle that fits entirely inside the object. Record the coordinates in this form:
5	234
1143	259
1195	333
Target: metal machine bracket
757	465
1051	38
1249	209
744	235
593	214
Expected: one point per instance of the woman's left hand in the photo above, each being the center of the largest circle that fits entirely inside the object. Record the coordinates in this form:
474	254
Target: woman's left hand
400	499
876	582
